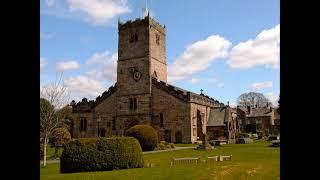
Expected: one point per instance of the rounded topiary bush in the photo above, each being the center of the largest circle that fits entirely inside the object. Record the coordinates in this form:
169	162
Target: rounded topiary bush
100	154
146	135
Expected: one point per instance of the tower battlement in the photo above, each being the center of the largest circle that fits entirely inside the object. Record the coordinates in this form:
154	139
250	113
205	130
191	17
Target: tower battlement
147	20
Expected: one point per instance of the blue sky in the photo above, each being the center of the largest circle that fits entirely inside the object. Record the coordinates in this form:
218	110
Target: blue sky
234	45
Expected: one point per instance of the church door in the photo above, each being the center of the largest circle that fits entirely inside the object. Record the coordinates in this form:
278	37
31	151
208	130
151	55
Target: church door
103	132
199	126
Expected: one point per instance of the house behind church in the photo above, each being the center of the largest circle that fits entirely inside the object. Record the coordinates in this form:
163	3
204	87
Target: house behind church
258	119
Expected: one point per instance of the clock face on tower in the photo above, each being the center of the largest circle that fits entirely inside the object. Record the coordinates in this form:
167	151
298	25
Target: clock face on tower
136	75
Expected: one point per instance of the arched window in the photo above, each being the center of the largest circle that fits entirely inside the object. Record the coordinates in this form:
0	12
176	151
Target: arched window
103	132
161	120
132	104
83	124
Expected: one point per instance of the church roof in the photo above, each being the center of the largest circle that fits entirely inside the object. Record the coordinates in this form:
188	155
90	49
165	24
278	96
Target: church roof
182	93
218	116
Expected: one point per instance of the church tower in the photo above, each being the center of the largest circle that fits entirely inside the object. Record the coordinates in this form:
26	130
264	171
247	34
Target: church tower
141	56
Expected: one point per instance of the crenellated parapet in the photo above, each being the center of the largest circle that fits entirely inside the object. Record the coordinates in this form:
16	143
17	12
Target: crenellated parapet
172	90
106	94
85	106
82	106
186	96
147	21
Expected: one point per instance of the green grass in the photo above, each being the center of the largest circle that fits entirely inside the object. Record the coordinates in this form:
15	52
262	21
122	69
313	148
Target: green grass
250	161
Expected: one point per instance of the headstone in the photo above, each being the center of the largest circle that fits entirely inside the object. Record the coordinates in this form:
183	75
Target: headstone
205	143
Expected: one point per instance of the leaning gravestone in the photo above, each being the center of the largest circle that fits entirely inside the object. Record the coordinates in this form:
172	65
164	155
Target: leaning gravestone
205	144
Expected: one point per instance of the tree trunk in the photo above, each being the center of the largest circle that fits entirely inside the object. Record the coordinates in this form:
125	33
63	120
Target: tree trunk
56	151
45	151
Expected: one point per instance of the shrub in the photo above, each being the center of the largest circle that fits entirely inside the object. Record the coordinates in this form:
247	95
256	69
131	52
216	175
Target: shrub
99	154
243	135
60	137
164	145
160	146
244	141
146	135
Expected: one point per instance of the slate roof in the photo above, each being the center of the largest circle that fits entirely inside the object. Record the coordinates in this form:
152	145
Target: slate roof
218	116
179	92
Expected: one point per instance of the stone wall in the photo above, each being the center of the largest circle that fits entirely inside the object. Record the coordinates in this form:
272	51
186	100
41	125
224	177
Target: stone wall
176	115
91	128
127	85
205	111
158	51
107	111
140	46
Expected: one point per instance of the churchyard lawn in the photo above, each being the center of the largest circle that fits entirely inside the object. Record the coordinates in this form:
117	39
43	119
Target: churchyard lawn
249	161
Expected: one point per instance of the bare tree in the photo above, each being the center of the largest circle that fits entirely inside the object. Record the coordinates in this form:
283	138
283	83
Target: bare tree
53	97
252	99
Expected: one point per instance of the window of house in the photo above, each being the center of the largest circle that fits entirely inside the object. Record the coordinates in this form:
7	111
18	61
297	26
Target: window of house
83	124
157	39
108	124
114	124
161	120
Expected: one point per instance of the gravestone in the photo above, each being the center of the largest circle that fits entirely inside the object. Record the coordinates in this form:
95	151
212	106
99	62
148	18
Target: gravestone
205	143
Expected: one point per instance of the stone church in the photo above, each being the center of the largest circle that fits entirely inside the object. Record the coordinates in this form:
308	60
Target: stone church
142	95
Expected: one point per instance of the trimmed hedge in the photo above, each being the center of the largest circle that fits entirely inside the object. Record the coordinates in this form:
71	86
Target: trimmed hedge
100	154
146	135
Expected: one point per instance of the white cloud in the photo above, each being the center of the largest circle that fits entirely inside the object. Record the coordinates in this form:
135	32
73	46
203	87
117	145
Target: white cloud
67	65
273	98
198	57
83	86
261	85
263	50
216	82
213	80
99	11
46	36
43	63
194	80
106	68
220	85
